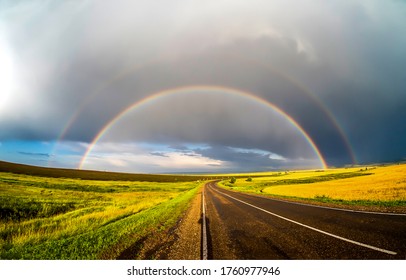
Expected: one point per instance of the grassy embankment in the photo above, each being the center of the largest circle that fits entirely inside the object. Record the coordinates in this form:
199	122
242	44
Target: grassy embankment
60	218
378	186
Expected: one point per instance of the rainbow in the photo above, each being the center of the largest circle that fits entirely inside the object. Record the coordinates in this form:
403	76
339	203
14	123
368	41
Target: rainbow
310	94
188	89
125	72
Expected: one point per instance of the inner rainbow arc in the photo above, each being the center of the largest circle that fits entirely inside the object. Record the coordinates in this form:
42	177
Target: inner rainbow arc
185	89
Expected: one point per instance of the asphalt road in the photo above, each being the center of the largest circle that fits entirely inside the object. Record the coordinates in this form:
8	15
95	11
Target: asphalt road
242	226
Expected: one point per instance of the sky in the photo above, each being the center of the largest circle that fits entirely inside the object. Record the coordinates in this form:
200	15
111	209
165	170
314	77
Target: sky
202	86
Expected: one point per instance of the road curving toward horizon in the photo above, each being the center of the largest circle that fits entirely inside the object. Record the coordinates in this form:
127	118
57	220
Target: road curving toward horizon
243	226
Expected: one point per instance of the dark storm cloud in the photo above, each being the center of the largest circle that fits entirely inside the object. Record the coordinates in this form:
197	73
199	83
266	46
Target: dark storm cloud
178	147
211	118
158	154
94	59
35	154
242	161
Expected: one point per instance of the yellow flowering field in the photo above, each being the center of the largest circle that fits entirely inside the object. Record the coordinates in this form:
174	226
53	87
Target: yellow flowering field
385	183
375	183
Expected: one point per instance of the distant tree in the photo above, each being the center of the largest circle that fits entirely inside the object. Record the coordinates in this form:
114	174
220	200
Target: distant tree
249	179
232	180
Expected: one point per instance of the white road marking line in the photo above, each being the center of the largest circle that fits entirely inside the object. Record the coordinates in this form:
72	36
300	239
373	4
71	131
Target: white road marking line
204	229
330	208
312	228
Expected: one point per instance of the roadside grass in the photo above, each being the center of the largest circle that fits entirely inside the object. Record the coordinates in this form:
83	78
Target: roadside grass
56	218
370	186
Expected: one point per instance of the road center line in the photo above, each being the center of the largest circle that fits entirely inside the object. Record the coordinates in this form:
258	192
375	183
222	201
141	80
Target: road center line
312	228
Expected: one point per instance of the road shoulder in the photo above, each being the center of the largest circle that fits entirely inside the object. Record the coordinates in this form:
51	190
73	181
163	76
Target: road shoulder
181	242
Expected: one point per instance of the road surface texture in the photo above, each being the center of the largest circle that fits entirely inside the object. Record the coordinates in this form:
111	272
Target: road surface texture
242	226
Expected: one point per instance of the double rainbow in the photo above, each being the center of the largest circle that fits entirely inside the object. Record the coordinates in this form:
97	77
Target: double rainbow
191	90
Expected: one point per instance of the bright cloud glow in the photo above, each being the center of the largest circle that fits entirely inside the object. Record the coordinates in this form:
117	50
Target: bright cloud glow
6	74
276	156
141	158
248	151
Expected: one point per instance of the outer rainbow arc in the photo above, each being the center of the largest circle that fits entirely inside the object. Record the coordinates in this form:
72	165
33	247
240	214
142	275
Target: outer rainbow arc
309	93
201	87
99	89
125	72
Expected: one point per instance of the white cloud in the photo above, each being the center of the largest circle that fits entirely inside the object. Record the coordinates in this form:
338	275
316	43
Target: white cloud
134	157
276	156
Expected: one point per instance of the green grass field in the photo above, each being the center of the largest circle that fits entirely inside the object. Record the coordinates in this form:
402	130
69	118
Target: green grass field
60	218
51	213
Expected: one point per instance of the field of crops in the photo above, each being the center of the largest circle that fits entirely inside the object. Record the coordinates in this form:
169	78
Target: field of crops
372	185
60	218
44	217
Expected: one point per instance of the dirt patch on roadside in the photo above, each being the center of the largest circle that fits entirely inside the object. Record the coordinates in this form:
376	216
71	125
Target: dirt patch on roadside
181	242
